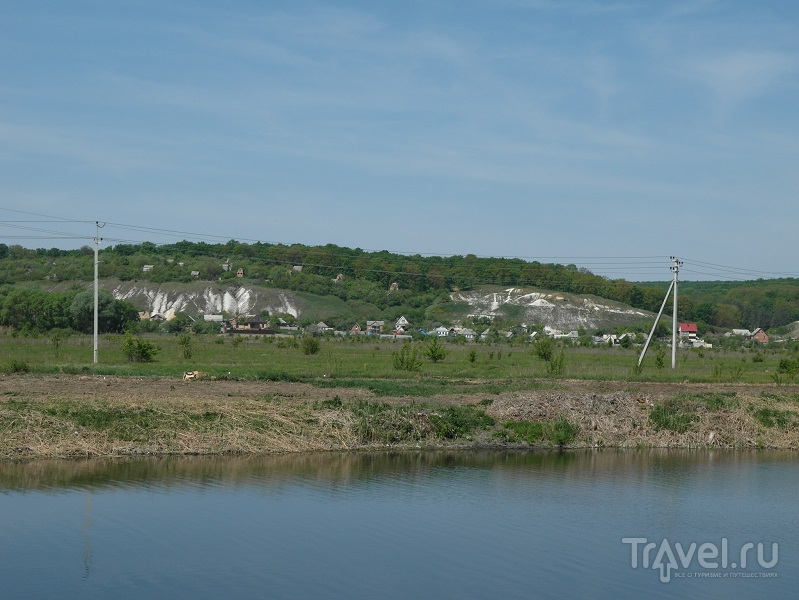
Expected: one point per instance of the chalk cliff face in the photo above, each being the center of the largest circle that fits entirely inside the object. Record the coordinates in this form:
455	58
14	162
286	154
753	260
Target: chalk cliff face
559	311
169	299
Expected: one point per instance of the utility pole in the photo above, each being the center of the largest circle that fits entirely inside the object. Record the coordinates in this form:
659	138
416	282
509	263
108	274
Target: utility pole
675	268
97	240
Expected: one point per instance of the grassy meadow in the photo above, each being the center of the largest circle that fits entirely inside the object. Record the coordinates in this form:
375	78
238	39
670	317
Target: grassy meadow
370	362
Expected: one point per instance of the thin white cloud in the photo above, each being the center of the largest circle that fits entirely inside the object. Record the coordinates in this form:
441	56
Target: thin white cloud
738	76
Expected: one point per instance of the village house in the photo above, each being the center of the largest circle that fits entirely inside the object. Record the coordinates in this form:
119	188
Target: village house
254	325
688	330
572	335
146	315
466	332
741	332
759	336
374	326
402	325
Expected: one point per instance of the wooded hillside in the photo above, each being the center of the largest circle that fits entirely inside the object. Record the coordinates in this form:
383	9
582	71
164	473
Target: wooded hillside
357	276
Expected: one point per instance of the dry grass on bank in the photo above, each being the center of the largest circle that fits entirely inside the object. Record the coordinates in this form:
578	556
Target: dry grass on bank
72	416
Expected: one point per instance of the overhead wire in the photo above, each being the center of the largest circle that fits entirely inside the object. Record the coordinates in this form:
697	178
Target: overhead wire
629	266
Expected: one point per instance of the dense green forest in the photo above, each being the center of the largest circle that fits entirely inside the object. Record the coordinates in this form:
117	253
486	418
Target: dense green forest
354	275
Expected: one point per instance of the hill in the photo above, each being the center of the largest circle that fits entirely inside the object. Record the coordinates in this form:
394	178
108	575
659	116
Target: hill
339	284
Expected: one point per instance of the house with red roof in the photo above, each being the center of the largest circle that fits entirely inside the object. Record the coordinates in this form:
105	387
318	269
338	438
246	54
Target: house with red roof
688	330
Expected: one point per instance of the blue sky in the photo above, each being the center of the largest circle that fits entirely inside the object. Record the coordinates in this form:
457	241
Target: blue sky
608	134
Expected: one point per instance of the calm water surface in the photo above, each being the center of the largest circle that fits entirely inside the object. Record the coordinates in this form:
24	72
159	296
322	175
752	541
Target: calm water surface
409	525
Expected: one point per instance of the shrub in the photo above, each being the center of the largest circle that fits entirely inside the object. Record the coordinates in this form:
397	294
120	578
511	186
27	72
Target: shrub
557	364
185	345
18	366
560	431
772	417
138	350
544	348
435	350
310	345
660	358
672	415
405	359
459	421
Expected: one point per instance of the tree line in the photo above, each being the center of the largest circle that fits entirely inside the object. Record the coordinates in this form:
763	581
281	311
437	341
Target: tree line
358	276
31	309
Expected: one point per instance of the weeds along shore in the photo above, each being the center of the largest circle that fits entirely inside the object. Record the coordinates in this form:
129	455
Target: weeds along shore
69	416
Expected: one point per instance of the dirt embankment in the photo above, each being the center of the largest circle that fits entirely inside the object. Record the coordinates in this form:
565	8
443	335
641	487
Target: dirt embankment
68	416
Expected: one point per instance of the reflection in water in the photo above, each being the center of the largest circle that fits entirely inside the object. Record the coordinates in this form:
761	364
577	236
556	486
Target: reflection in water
87	539
390	525
662	467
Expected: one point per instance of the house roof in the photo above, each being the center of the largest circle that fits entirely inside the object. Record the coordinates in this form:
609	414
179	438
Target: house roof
689	327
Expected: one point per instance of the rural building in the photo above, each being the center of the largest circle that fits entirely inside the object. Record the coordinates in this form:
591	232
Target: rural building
759	336
256	325
402	324
374	326
688	330
466	332
741	332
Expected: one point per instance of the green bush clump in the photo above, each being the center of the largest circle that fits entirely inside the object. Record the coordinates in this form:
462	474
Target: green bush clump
544	348
559	432
435	350
138	350
673	415
405	359
19	366
772	417
459	421
310	345
387	423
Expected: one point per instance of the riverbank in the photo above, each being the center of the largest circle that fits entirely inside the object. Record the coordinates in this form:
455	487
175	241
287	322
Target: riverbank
66	416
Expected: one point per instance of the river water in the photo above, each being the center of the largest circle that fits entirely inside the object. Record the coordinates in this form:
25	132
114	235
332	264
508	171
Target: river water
594	524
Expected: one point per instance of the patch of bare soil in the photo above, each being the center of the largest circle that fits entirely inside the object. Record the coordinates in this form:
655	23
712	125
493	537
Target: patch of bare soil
133	389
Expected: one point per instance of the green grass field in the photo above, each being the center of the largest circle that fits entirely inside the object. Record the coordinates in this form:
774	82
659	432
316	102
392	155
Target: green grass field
366	362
